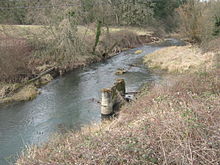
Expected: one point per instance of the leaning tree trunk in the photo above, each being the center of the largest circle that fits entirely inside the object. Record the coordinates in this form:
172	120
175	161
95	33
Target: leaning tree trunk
98	34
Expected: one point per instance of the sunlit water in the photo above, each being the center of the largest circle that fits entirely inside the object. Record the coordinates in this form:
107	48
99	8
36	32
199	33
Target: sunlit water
66	103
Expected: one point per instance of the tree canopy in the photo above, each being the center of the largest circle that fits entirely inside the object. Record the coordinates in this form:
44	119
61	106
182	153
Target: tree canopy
111	12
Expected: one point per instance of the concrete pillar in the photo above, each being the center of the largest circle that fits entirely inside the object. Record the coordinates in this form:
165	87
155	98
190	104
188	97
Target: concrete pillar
107	102
112	97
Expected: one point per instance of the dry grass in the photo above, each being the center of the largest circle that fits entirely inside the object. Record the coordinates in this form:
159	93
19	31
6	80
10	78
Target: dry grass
25	48
14	54
118	41
176	122
29	92
108	46
18	42
212	45
24	30
181	59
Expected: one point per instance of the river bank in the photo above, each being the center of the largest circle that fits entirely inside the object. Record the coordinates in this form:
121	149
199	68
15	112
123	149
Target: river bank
127	38
174	121
68	103
183	59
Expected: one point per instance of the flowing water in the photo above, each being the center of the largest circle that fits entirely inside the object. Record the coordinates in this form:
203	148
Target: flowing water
66	103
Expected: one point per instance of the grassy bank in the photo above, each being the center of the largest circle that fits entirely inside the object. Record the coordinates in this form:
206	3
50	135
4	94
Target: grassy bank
182	59
175	122
24	58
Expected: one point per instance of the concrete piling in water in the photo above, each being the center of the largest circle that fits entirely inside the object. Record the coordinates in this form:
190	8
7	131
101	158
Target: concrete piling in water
106	102
112	97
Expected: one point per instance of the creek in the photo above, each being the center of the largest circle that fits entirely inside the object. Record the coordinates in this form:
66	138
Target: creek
67	102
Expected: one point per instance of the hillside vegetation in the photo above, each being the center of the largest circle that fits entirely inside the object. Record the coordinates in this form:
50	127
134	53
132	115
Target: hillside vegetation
71	33
175	122
21	60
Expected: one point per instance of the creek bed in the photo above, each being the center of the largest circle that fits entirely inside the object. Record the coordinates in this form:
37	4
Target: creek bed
66	103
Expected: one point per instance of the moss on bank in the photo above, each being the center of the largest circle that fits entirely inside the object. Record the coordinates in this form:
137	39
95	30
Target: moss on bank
26	93
17	92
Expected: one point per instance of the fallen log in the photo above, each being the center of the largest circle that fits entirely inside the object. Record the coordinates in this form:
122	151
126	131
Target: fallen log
40	75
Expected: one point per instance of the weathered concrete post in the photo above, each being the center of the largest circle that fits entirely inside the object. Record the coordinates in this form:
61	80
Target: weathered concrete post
112	97
106	102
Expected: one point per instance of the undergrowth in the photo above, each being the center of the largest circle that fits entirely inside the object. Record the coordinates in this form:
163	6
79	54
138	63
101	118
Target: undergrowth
175	122
14	59
20	57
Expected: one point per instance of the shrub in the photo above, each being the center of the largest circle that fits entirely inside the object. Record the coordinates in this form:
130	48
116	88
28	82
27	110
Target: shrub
200	21
191	20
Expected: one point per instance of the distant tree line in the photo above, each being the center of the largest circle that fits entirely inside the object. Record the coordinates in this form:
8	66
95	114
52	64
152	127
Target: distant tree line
110	12
197	19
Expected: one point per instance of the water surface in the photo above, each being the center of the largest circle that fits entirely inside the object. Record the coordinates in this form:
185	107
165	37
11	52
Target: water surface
66	103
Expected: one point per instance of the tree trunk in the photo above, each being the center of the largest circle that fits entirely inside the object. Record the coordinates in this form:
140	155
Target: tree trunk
98	34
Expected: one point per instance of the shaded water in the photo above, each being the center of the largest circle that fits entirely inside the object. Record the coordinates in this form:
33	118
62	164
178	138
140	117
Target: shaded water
66	103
